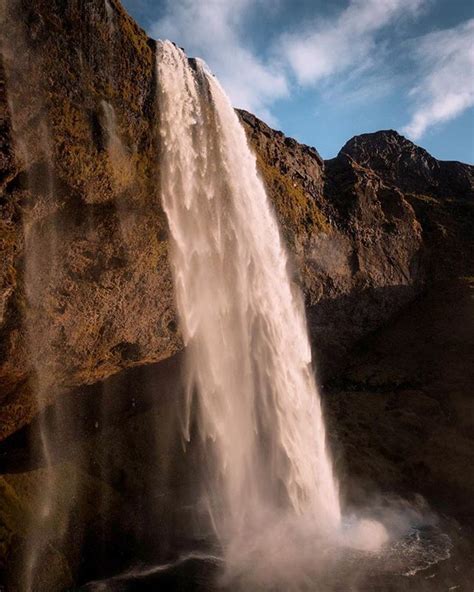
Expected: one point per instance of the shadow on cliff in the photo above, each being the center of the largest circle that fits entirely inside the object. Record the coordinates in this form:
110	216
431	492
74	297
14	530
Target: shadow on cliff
400	408
336	324
399	412
94	408
125	487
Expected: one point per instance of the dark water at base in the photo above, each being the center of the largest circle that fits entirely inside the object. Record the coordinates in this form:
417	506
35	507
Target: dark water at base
424	560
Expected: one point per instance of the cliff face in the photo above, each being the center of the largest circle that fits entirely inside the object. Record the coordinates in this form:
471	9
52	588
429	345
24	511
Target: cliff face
85	288
412	169
367	230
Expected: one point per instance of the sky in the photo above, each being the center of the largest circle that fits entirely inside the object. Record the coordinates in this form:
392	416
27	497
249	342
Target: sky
323	71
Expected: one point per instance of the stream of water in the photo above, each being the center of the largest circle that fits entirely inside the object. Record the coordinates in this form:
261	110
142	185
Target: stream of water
249	367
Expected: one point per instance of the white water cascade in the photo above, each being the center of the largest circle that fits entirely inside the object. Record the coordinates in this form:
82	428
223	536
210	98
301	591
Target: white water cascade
252	394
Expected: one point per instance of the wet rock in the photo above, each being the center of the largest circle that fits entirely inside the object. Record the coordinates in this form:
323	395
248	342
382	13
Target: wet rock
82	232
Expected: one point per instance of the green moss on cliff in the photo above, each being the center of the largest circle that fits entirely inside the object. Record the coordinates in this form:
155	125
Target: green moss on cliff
295	209
13	518
76	498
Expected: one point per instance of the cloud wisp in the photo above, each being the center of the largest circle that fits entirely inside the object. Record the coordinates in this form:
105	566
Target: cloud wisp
357	55
211	29
346	43
330	47
445	61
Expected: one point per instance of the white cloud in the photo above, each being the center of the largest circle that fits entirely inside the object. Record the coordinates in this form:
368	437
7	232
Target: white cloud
351	57
446	88
334	46
211	29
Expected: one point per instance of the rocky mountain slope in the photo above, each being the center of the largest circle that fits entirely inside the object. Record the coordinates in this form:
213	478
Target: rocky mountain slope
368	230
85	286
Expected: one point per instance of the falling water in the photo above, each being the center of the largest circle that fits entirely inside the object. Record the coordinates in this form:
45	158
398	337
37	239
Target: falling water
248	355
33	149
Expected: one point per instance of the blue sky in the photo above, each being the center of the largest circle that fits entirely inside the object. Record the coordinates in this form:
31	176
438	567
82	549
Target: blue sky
323	71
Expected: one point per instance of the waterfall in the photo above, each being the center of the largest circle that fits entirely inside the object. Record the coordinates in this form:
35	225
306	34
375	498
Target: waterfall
252	398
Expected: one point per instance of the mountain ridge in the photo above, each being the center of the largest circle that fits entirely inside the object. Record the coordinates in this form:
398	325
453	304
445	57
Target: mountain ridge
364	137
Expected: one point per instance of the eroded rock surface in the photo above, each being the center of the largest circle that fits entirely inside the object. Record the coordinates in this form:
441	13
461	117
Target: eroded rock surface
85	286
367	230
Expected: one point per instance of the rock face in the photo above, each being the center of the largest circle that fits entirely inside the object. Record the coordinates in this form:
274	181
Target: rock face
410	168
85	285
408	386
368	230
